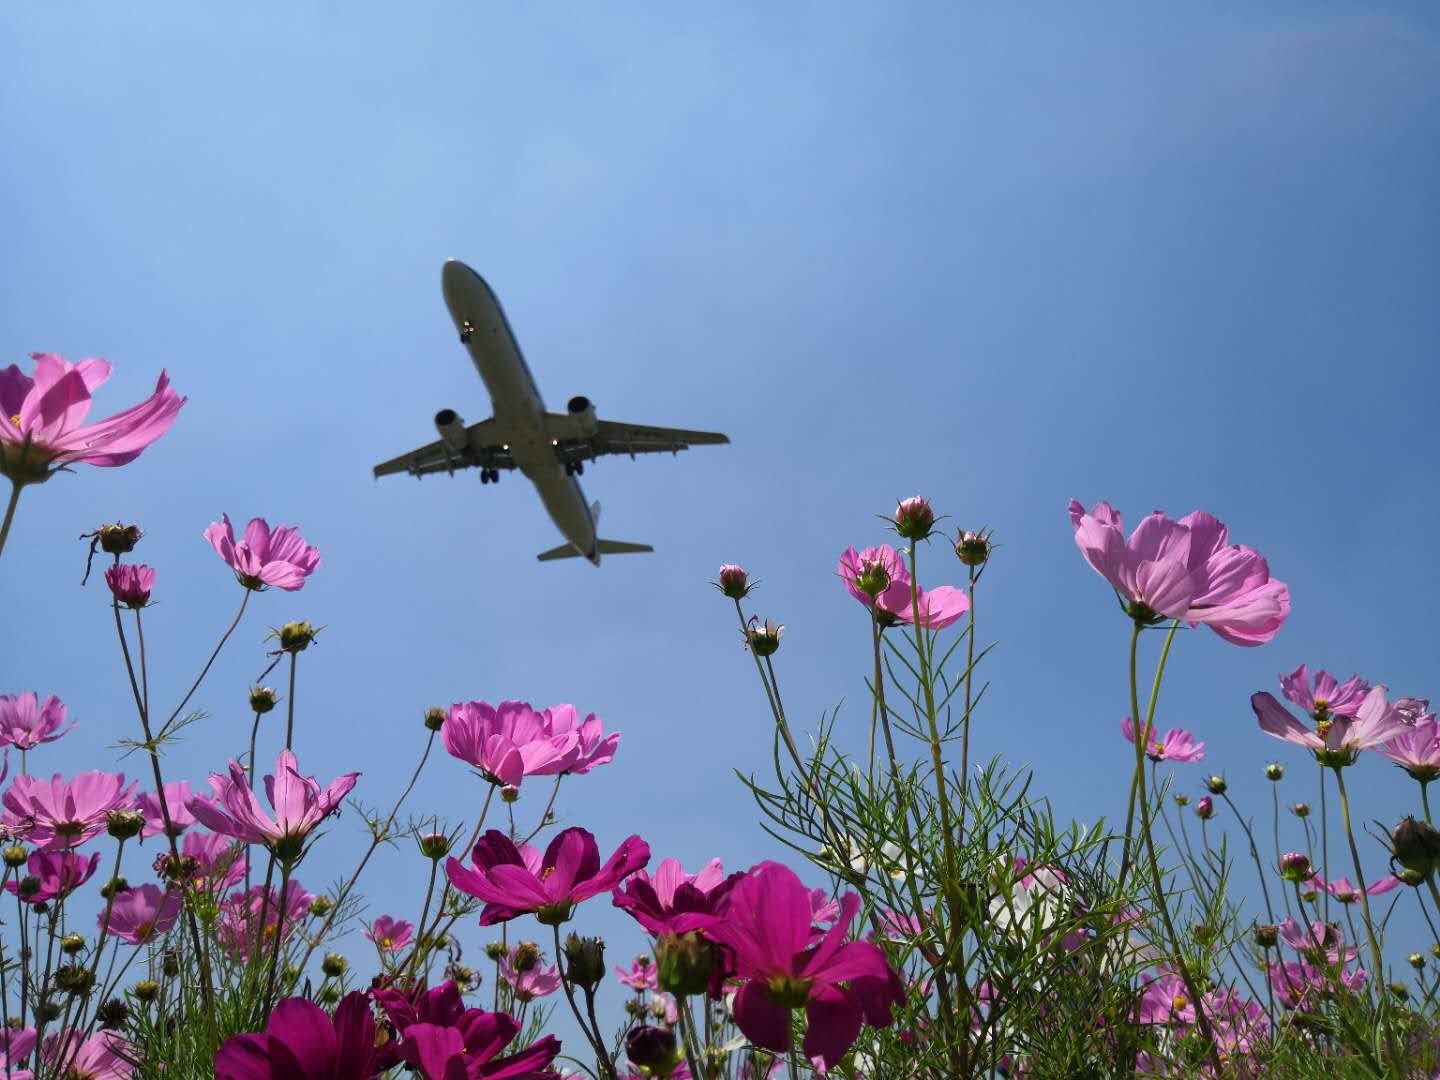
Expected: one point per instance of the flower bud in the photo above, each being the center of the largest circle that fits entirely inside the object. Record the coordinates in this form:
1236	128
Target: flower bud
329	995
914	518
653	1049
113	1014
734	582
15	856
435	845
130	584
75	979
1205	808
1417	960
872	578
28	886
525	957
1417	846
117	539
972	548
321	906
295	637
763	640
123	824
1301	810
584	960
1410	877
634	1008
333	965
495	950
1181	799
1266	936
262	699
509	794
684	964
435	718
1274	771
170	964
1295	866
45	1011
1400	990
146	990
70	944
114	887
466	978
1216	785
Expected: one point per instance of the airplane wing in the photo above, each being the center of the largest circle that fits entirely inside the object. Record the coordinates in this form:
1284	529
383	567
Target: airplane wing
437	457
615	437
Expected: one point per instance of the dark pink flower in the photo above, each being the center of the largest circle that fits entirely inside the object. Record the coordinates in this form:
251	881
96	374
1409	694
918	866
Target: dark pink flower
141	912
733	581
60	813
519	881
841	985
59	873
674	902
1328	695
300	1042
1416	750
130	583
1176	744
42	419
102	1056
507	743
592	746
882	569
390	934
299	803
1336	741
264	556
25	723
419	1014
1205	808
177	795
1302	985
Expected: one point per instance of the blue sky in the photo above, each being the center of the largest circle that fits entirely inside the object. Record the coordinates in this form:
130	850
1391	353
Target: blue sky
1179	256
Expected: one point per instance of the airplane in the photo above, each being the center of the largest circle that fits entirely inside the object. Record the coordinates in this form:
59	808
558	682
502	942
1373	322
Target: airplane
551	449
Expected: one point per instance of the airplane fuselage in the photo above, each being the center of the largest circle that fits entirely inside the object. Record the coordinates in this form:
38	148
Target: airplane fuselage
519	410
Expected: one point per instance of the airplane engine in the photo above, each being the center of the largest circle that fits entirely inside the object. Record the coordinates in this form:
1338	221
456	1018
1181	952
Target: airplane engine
582	422
452	430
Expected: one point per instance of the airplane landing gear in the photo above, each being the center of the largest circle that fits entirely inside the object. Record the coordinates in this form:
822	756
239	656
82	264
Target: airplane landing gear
574	468
489	476
467	331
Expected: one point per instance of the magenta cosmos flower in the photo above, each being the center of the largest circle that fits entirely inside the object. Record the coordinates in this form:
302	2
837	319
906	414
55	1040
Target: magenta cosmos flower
882	570
733	581
130	584
1184	569
264	556
42	419
25	723
674	902
56	874
141	912
592	746
1416	750
300	1042
102	1056
520	881
299	803
483	1035
641	976
60	813
177	795
507	742
840	985
390	934
1326	695
1336	741
1176	744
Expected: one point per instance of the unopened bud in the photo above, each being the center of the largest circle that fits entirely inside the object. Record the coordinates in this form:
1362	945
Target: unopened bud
321	906
170	963
15	856
118	539
329	995
1181	799
114	887
872	579
509	794
495	950
333	965
1301	810
1410	877
972	548
262	699
45	1011
435	719
123	824
146	990
434	845
653	1049
584	960
75	979
1205	808
1417	846
1400	990
70	944
465	978
1295	866
1417	961
1266	936
28	886
1274	771
526	956
684	963
112	1014
1216	785
763	639
914	518
733	582
295	637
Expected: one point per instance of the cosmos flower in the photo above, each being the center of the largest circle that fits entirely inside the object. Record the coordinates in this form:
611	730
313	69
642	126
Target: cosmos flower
1336	741
841	985
674	902
264	556
59	873
298	801
536	981
301	1042
641	975
1416	750
140	913
1343	890
390	934
219	861
510	741
592	746
130	583
25	723
177	795
60	813
518	881
240	915
882	570
1326	695
102	1056
1176	744
42	419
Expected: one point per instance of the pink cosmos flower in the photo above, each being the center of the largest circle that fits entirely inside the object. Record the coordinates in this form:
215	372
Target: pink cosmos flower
60	813
1416	750
1414	709
1176	744
1343	890
1302	985
25	723
1184	569
1166	1001
130	583
641	976
301	1042
299	803
41	419
914	517
59	873
534	982
733	581
219	861
518	881
103	1056
840	984
1328	695
593	746
15	1047
1318	943
390	934
508	742
140	913
240	915
1335	742
264	557
938	607
824	908
674	902
177	795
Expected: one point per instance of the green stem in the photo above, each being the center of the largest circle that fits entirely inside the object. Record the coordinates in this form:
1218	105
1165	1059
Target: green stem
602	1058
1142	739
9	511
279	937
290	705
1425	801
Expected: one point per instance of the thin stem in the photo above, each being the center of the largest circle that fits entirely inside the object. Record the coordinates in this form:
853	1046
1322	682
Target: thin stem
1325	845
1275	805
602	1058
965	718
555	790
421	946
206	669
290	704
279	936
9	511
1254	854
1142	739
1425	801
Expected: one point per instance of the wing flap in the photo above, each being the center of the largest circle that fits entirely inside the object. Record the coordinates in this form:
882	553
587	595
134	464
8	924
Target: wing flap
616	437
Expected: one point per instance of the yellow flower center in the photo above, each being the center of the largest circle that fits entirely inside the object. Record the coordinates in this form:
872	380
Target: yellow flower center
387	943
1323	727
15	419
1159	750
1180	1003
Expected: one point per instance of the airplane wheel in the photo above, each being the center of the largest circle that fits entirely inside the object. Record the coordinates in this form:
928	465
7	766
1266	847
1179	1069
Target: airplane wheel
579	468
484	476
